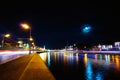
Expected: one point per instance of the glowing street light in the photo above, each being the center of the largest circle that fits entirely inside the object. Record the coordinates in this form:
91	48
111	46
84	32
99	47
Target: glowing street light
7	35
27	27
4	36
31	39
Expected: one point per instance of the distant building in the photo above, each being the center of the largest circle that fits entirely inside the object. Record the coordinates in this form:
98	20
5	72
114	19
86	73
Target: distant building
69	47
117	43
105	47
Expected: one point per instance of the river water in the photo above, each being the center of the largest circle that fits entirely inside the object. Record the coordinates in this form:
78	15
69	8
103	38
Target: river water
79	66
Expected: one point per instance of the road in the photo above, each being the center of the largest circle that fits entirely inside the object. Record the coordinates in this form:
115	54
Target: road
8	55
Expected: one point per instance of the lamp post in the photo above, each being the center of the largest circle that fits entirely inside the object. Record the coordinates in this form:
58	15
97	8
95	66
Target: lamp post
27	27
3	40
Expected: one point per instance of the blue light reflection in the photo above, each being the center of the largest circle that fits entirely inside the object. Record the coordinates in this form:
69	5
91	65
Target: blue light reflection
98	76
49	59
89	71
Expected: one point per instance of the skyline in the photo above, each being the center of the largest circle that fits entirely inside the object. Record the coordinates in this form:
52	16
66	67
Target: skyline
56	25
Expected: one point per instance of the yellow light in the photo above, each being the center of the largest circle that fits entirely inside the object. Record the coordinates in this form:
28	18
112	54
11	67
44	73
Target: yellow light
32	43
31	39
117	61
85	59
7	35
20	42
25	26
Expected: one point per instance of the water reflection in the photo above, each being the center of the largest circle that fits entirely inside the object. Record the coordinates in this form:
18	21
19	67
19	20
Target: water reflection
87	66
96	57
77	58
89	71
90	75
117	61
85	59
99	76
48	59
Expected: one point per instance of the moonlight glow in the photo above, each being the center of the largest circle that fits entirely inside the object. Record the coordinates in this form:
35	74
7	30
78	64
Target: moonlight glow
86	28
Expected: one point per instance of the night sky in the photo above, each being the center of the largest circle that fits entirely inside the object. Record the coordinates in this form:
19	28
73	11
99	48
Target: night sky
56	24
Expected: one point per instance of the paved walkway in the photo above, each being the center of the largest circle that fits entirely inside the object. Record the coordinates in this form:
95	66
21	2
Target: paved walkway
28	67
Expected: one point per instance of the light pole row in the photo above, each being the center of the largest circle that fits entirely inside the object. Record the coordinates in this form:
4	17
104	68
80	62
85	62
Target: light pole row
24	26
27	27
3	38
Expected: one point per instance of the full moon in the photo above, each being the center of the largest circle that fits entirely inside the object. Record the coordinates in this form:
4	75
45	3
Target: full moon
86	28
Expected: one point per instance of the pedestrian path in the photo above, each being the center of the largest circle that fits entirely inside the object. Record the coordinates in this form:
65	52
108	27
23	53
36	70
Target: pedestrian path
28	67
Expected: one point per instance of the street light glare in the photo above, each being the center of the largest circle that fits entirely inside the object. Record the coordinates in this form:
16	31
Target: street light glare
31	39
25	26
3	40
7	35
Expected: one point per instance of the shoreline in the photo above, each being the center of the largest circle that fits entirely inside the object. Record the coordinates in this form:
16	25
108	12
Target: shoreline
101	52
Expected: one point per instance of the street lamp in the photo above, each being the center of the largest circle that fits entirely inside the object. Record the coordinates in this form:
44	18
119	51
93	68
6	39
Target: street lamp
27	27
4	36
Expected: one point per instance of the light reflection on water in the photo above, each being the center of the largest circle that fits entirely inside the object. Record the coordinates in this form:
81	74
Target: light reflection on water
89	71
83	66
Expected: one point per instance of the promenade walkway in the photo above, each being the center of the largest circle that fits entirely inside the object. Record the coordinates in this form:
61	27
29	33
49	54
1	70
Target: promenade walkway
28	67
